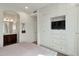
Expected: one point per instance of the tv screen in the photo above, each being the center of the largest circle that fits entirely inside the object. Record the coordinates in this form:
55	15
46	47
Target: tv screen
58	24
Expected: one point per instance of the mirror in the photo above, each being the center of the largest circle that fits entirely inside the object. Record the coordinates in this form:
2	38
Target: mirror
10	22
9	26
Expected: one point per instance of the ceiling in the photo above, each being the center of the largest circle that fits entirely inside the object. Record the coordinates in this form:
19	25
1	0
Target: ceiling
21	6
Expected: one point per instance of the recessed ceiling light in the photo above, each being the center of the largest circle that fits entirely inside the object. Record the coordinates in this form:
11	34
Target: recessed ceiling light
26	7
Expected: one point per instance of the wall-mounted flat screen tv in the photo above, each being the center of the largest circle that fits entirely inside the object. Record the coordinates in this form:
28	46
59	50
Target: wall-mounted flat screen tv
58	24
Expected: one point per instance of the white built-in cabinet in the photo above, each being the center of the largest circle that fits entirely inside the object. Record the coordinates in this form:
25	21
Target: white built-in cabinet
63	41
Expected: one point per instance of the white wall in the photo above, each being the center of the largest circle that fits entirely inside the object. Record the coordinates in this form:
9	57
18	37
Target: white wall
59	40
29	36
1	29
35	26
77	33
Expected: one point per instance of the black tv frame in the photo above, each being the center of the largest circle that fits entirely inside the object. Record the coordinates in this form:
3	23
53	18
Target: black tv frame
58	24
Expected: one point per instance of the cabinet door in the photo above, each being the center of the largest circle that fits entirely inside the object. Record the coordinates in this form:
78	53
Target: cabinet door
13	38
5	40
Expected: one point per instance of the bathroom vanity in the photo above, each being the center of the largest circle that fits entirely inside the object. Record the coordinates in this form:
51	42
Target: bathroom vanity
9	39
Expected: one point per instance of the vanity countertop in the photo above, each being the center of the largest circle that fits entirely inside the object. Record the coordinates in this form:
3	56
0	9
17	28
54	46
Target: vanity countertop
10	33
